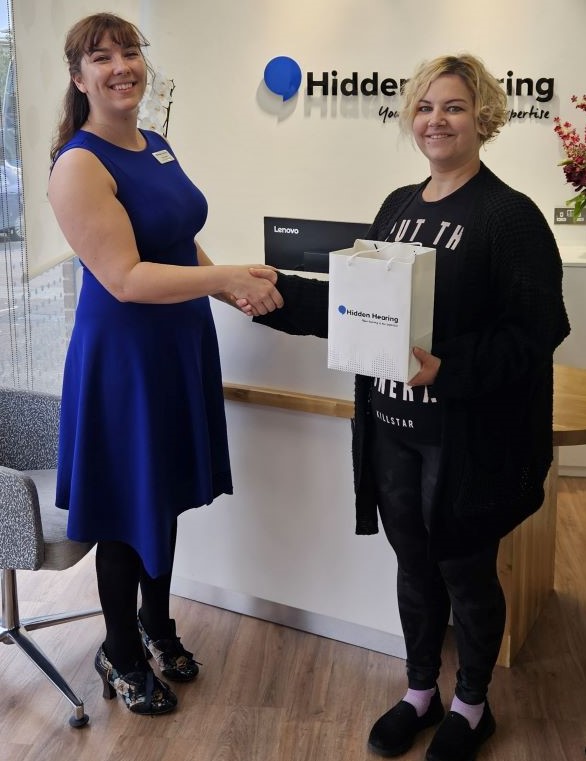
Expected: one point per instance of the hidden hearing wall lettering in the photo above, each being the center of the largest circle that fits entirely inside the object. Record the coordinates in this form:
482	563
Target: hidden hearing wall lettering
332	93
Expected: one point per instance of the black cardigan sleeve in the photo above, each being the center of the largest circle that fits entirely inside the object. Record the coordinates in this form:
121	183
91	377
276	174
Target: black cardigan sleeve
305	312
528	319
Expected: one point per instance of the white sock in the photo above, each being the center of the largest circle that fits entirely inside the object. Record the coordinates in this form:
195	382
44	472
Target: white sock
473	713
420	699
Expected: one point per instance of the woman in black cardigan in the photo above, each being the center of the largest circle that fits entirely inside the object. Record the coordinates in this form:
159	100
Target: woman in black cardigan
456	458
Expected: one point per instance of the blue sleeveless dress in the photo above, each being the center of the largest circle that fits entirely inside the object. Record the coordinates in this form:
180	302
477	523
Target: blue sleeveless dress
143	431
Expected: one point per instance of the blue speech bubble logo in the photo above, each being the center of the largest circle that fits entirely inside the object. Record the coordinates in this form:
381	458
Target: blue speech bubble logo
283	76
342	309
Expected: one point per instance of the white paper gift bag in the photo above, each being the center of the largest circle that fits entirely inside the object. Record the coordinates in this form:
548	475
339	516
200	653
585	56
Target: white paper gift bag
381	298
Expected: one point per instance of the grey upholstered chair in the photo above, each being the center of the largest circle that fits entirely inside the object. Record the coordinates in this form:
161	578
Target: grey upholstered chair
32	530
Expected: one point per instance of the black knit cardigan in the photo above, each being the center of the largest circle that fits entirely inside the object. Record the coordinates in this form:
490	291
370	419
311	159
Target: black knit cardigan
496	375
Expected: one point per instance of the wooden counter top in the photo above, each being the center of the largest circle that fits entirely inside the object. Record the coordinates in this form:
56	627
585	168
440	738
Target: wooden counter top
569	413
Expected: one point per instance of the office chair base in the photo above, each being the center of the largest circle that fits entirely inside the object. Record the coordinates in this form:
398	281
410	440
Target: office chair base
18	636
14	631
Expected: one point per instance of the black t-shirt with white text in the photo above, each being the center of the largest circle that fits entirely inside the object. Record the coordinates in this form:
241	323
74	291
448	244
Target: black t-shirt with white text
415	413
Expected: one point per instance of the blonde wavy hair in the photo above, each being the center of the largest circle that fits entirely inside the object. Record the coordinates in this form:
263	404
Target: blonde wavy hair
488	95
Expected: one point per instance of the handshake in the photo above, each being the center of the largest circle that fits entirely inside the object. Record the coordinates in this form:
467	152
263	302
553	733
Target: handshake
253	290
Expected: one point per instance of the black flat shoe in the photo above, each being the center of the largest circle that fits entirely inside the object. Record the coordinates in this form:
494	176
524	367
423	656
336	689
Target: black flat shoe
142	692
393	734
174	661
455	740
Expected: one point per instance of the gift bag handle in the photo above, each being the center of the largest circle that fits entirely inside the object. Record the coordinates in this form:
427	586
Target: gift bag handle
390	261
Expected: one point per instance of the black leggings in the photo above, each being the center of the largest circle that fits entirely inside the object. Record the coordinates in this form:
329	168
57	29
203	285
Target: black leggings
120	573
406	476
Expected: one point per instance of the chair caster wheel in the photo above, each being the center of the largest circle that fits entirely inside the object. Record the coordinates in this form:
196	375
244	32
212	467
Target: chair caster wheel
77	723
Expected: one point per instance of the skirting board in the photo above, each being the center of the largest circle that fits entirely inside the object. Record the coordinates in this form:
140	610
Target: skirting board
277	613
572	471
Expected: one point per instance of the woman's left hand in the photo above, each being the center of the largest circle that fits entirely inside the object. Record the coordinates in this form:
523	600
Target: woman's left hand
428	370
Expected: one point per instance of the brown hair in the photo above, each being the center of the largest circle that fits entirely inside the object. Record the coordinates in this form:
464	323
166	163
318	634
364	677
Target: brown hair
488	96
82	39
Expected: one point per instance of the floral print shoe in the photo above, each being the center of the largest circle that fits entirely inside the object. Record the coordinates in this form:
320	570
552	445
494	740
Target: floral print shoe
142	692
174	661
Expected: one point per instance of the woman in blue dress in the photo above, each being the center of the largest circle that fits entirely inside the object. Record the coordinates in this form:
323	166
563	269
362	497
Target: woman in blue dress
143	432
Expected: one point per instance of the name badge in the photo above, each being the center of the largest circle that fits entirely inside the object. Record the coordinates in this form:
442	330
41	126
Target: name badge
163	157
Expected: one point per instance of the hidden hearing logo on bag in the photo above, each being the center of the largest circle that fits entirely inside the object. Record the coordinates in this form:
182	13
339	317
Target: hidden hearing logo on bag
283	76
353	312
381	319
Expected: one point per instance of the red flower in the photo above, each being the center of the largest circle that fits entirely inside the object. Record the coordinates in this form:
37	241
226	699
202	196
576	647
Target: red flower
574	164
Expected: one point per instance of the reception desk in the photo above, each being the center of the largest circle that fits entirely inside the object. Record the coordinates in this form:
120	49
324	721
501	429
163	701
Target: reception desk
572	351
527	554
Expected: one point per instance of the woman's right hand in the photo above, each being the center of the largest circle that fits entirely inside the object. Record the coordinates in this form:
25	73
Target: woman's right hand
256	294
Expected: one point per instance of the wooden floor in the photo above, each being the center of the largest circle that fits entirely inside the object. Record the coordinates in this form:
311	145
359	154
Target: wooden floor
268	693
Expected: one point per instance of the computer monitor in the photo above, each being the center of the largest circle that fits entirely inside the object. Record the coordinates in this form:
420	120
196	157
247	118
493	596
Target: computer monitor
305	244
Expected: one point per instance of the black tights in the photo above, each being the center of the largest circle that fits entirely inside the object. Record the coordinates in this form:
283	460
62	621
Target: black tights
406	480
120	573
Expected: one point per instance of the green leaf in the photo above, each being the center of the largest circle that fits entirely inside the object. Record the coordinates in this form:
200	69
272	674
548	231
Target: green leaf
578	203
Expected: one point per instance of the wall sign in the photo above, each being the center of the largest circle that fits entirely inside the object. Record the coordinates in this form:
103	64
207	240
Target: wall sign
283	76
